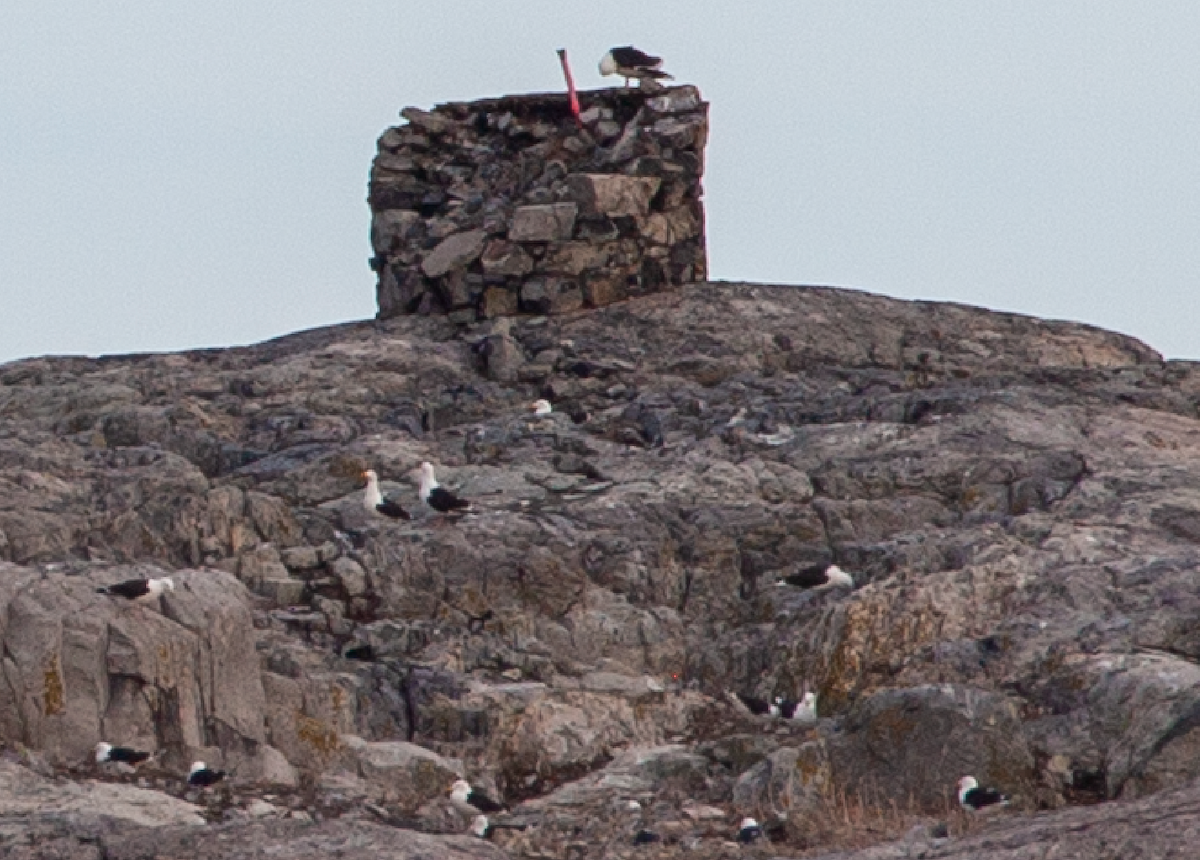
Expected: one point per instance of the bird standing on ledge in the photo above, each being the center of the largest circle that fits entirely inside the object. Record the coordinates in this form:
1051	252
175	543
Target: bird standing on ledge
803	711
135	589
202	775
972	797
483	828
749	831
373	499
107	752
629	62
462	793
818	577
438	497
753	704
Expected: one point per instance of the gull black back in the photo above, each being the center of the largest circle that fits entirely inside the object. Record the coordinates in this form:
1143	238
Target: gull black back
630	57
127	755
443	501
758	707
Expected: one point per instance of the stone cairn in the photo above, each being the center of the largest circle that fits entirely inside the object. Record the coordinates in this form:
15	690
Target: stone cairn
508	205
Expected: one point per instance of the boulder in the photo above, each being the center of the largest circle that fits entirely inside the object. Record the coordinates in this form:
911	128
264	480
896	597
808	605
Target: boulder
25	794
791	783
83	667
913	744
1014	498
401	773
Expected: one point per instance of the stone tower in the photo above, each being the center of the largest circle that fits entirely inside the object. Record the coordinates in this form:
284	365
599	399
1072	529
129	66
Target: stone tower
508	205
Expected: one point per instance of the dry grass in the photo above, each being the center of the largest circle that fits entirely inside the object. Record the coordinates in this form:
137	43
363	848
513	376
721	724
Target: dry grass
852	821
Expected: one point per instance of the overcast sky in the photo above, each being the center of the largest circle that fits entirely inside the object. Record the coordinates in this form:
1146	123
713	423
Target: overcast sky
180	175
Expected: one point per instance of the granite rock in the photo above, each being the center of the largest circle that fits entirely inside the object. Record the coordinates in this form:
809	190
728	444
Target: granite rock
1013	497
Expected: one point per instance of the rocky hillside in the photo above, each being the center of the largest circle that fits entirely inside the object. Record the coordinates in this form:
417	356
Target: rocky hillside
1016	500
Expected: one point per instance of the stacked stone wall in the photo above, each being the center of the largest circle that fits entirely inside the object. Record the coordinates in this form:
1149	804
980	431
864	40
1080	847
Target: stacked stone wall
508	205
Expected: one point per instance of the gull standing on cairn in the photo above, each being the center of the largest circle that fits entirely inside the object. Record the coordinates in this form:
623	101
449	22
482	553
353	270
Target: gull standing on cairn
629	62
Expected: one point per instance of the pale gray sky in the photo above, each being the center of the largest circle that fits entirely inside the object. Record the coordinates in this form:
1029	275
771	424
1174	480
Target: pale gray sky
180	175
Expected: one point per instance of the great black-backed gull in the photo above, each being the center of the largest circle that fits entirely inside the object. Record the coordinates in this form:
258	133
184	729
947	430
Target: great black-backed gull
483	828
373	499
438	497
203	776
971	796
753	704
135	589
106	752
749	831
803	711
461	792
629	62
541	407
818	576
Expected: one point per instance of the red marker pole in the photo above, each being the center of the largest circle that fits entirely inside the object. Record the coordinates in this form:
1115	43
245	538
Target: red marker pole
562	58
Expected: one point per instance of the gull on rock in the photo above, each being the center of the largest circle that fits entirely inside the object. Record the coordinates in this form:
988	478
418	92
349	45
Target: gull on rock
749	831
373	499
803	711
136	589
438	497
753	704
971	796
106	752
462	793
483	828
818	577
203	776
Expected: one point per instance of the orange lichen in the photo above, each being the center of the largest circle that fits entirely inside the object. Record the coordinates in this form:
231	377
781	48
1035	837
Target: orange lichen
52	688
317	735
